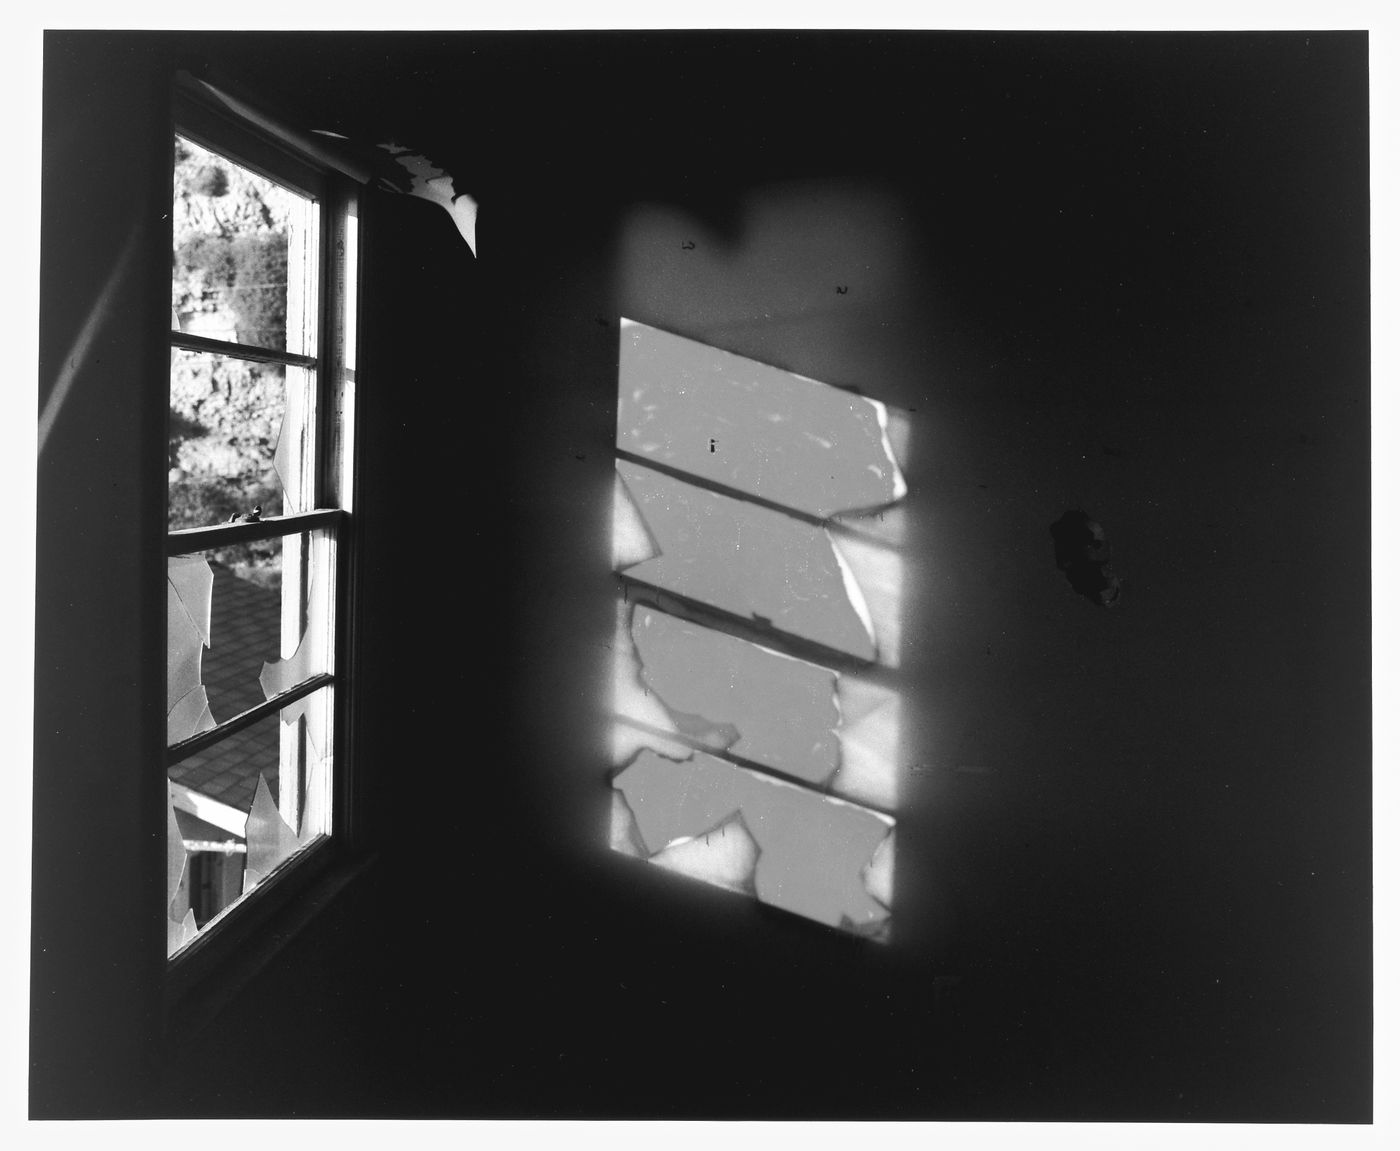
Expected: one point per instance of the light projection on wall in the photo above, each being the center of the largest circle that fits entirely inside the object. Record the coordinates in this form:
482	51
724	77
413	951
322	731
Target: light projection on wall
756	532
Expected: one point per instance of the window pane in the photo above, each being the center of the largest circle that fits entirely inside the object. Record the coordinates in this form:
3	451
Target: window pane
239	438
244	623
242	808
243	265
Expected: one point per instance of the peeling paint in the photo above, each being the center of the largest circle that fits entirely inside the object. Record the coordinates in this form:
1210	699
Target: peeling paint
429	182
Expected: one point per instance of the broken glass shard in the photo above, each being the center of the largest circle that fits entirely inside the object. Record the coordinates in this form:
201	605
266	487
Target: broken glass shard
189	716
224	799
217	783
750	561
271	839
293	457
174	851
188	587
309	646
193	583
184	648
737	696
751	427
814	853
177	934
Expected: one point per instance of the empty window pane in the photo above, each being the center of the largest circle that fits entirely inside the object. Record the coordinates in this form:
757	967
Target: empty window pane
238	438
244	255
188	588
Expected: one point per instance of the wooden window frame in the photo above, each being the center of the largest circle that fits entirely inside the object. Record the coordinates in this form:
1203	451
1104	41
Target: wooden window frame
229	951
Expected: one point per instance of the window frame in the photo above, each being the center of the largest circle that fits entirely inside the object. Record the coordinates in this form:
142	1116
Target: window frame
210	969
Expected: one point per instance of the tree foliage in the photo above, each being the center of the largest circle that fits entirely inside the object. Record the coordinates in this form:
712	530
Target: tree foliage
249	273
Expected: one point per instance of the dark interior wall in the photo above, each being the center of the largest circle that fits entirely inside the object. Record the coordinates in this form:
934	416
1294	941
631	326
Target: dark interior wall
1122	274
99	667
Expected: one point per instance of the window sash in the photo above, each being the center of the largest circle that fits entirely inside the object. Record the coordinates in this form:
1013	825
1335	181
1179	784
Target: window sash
193	343
186	541
220	131
327	301
178	752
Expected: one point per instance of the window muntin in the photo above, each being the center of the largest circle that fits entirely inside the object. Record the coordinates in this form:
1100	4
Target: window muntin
261	399
755	692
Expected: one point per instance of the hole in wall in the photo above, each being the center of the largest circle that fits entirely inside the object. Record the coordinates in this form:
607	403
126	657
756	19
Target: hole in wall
1083	553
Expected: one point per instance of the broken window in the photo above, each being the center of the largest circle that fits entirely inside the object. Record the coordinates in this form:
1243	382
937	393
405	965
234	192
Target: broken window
756	532
261	391
238	438
245	805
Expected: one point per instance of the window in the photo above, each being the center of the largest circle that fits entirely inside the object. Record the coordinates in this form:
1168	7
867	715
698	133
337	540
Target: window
259	498
756	698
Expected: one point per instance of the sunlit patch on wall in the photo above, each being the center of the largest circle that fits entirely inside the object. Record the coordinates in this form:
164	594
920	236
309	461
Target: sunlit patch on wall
632	543
753	428
755	704
870	742
647	722
877	573
815	854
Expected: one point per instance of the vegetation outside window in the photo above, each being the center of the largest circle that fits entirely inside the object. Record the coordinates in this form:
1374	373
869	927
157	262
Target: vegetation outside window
260	467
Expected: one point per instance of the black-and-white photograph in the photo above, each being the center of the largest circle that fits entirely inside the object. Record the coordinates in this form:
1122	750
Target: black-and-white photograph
704	574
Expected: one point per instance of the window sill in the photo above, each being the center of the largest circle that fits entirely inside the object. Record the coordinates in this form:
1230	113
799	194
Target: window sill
205	977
